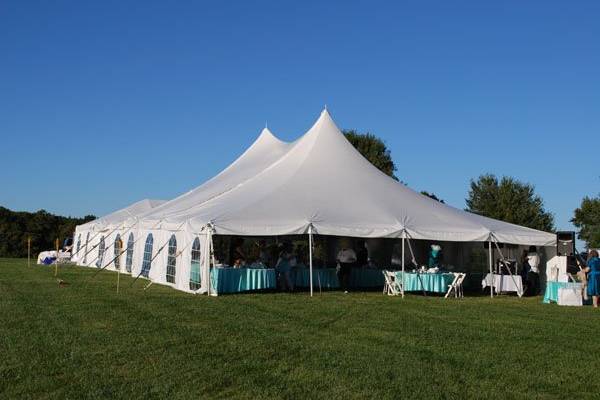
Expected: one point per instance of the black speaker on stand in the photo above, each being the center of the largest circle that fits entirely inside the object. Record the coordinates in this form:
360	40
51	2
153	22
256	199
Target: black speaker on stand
565	243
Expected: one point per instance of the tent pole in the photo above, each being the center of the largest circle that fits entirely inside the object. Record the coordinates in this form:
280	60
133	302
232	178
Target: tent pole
310	258
402	264
491	269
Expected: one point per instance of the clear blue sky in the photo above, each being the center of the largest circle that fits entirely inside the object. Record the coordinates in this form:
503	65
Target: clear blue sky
104	103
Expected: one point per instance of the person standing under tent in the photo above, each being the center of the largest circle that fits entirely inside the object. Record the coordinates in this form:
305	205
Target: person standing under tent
346	258
238	257
524	268
435	256
362	255
284	267
593	270
263	253
533	275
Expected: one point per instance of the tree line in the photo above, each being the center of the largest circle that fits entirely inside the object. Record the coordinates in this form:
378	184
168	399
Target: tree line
42	227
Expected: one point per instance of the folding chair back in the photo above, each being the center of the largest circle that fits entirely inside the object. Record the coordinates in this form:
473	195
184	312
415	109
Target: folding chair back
391	287
456	285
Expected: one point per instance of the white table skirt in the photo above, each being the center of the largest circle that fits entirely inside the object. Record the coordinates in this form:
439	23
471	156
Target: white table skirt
504	283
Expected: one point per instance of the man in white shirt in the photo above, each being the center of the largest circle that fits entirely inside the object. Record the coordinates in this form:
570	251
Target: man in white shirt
533	276
346	257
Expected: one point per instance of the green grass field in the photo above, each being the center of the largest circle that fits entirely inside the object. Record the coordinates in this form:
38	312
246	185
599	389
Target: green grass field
86	341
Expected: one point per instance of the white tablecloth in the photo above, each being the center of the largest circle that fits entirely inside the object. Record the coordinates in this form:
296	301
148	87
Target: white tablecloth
504	283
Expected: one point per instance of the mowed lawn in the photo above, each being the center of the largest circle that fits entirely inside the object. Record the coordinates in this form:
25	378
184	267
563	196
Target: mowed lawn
86	341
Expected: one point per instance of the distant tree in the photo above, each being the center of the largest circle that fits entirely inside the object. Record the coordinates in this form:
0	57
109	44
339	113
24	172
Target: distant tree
431	196
509	200
42	227
587	219
373	149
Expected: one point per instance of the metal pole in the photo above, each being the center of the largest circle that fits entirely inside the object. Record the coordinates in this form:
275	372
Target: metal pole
29	251
402	264
310	258
491	270
56	261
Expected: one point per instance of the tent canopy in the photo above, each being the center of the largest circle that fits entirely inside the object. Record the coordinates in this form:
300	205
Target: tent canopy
118	217
265	150
321	181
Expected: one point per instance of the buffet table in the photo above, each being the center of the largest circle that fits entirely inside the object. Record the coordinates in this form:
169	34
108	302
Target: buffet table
359	278
235	280
326	276
416	282
504	283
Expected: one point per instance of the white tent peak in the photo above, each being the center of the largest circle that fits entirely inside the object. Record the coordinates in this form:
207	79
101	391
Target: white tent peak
265	150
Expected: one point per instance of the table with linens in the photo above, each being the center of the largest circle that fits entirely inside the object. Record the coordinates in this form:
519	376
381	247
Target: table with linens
327	278
235	280
428	282
552	287
504	283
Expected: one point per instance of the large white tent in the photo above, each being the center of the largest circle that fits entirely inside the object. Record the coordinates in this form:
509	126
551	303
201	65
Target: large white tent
318	184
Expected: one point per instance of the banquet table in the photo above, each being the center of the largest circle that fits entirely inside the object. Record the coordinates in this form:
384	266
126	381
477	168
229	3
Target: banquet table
326	276
366	278
504	283
235	280
551	294
435	282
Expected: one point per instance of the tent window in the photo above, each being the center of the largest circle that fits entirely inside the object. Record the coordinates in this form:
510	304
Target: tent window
195	267
129	256
101	248
117	252
78	244
147	261
172	259
87	240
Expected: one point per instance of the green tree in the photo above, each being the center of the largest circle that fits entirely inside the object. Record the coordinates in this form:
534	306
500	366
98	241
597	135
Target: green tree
509	200
42	227
373	149
587	219
432	196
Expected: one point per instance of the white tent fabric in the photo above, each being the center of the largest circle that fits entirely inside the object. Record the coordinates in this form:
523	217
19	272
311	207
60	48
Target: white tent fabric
114	222
262	153
318	183
322	181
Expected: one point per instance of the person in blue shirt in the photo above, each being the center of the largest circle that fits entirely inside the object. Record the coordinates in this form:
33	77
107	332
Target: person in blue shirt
593	270
284	267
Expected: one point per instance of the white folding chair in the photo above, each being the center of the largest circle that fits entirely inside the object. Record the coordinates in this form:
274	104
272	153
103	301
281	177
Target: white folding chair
391	286
456	285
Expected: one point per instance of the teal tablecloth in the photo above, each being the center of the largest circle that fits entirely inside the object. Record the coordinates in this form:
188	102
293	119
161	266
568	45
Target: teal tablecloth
326	276
235	280
359	278
437	283
366	278
552	287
